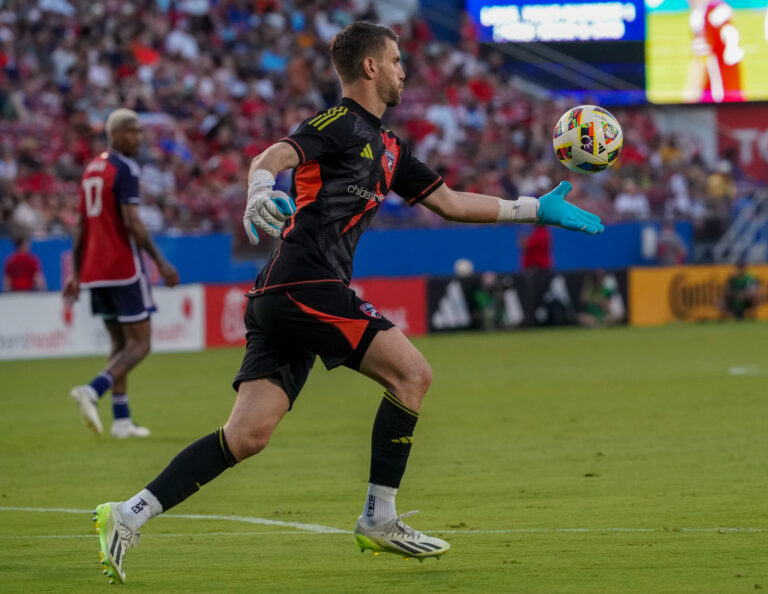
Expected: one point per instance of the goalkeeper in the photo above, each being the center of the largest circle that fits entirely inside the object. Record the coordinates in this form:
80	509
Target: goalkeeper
301	306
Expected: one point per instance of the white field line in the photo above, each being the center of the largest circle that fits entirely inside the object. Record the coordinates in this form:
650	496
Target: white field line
245	519
751	370
301	528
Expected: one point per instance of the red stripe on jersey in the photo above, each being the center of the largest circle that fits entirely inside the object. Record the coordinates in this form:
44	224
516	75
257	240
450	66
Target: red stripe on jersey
390	144
351	329
308	183
425	190
355	219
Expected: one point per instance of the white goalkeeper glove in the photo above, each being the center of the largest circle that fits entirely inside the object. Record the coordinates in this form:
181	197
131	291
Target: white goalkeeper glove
267	209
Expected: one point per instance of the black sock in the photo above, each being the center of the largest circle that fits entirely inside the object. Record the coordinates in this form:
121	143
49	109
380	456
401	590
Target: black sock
196	465
391	441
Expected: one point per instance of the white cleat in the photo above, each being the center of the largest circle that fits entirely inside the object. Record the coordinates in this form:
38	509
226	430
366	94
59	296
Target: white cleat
114	539
124	428
399	538
87	399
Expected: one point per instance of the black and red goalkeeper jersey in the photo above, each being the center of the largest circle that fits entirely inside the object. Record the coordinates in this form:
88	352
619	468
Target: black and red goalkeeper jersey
348	163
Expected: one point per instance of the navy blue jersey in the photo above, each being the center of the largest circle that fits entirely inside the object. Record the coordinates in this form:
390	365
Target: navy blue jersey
348	163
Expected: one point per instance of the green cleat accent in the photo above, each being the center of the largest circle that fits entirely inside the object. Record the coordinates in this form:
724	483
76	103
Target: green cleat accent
114	539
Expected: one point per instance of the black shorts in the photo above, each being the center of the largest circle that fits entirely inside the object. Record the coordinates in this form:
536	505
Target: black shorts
125	304
286	331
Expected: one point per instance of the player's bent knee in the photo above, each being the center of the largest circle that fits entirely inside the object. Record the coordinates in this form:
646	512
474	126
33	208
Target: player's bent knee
423	376
246	444
139	348
413	384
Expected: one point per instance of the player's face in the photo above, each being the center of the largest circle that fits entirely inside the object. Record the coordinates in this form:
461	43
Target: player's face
127	139
389	84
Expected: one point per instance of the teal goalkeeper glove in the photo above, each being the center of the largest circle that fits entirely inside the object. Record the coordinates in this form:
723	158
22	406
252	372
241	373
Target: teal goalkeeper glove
555	210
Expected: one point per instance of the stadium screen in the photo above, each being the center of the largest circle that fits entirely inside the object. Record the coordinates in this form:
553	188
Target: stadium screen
662	51
534	20
703	51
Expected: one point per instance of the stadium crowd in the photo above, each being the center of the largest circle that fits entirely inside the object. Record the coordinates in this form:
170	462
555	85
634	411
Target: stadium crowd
217	81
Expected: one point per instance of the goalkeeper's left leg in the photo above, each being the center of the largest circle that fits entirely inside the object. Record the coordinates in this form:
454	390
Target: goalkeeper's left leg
395	363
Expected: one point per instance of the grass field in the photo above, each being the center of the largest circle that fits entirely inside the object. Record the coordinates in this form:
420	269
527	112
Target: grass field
612	461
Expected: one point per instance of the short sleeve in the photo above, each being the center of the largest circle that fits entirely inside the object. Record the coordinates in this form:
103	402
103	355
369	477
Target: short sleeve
414	180
127	184
326	133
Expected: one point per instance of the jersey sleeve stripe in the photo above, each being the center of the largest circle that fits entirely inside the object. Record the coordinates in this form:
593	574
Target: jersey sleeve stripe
295	145
326	114
427	191
322	117
333	119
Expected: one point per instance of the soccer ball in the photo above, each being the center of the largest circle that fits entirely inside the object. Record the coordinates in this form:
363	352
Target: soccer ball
587	139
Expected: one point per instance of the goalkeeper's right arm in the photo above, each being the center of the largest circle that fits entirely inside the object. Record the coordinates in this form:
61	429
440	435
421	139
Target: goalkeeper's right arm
267	209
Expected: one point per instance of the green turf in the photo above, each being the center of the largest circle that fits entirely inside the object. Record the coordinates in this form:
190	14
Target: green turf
640	438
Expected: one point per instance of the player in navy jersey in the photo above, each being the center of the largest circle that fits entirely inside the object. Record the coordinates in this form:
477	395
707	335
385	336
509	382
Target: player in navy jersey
106	259
301	306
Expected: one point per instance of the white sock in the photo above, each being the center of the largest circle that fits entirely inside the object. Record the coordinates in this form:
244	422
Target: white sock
380	505
140	509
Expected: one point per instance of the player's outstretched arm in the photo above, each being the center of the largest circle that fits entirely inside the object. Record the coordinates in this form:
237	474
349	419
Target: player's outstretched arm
267	209
550	209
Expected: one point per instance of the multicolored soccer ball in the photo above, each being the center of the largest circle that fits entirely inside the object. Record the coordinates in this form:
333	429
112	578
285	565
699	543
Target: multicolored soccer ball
587	139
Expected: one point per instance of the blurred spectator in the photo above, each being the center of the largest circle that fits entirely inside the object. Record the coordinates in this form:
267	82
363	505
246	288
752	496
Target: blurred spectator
22	270
489	302
741	294
670	248
537	249
600	303
632	204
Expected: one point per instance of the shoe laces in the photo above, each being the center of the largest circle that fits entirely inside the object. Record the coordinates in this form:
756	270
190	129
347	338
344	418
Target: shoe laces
401	529
130	537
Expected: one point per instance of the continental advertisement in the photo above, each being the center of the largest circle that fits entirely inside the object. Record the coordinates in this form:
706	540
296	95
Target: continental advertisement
687	293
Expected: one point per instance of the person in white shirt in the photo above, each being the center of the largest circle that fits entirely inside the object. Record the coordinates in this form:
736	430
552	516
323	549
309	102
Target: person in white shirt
631	203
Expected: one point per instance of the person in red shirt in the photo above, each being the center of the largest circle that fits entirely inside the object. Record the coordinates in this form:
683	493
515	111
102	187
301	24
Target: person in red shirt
537	249
22	270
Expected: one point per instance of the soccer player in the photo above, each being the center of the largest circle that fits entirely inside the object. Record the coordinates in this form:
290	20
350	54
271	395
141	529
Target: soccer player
106	259
714	74
301	307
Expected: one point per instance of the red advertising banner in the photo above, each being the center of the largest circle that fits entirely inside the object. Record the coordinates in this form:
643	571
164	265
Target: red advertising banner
743	129
224	311
402	301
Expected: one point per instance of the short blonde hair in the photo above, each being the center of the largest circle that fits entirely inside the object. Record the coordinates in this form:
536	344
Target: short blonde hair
119	118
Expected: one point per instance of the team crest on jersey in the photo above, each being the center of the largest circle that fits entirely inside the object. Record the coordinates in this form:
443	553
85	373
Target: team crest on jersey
369	310
390	156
